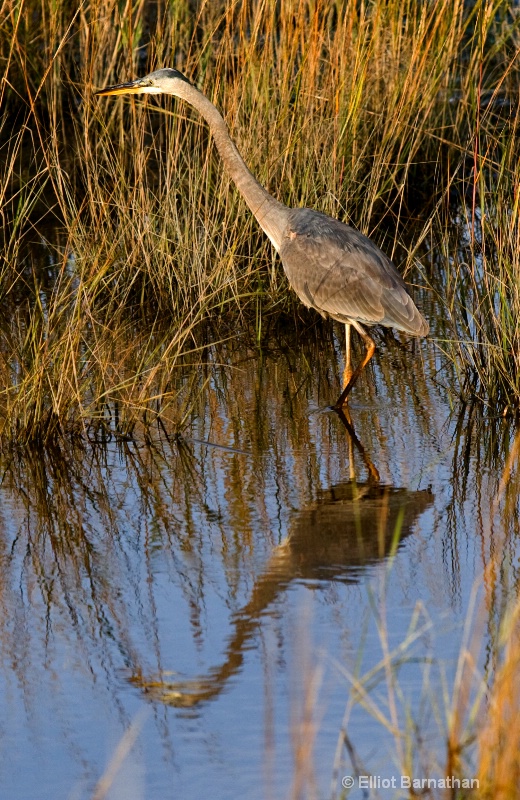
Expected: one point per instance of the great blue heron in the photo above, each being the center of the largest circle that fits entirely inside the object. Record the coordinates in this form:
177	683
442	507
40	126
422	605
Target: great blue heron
332	267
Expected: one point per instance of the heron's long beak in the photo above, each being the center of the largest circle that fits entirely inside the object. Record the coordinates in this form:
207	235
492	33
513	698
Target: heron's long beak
135	87
122	88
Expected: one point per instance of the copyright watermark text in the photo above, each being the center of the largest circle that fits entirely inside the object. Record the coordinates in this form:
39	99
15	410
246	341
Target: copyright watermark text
407	782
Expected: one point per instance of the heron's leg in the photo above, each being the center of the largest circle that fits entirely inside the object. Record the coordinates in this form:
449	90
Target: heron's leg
344	415
353	441
370	350
347	372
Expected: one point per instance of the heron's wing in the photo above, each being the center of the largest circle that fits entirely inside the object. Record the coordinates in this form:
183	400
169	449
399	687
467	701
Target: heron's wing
338	271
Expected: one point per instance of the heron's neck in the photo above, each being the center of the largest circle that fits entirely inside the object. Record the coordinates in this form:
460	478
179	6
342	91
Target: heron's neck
270	214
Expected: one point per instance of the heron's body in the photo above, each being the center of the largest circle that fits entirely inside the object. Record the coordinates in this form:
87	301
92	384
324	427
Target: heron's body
332	267
339	272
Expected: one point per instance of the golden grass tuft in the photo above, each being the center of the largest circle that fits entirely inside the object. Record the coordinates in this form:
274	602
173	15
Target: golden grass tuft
499	737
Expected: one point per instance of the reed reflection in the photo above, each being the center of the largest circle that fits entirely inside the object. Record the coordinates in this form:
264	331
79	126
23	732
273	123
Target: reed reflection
107	537
93	537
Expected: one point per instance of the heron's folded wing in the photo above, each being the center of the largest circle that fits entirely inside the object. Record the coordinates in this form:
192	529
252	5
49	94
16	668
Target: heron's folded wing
340	272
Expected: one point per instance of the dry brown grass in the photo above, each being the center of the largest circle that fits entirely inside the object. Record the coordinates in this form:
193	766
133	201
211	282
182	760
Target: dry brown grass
499	737
372	112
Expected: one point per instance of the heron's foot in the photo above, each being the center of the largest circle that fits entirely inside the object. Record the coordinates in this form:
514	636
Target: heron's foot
342	401
348	374
340	404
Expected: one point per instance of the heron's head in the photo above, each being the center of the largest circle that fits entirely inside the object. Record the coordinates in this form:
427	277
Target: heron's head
162	81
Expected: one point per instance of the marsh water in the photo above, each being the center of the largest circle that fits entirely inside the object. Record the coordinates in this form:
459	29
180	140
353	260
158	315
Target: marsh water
186	612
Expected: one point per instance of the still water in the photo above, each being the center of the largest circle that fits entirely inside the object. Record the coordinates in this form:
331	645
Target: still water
193	609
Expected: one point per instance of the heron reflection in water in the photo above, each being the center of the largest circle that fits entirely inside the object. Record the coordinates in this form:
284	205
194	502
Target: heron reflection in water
332	267
350	528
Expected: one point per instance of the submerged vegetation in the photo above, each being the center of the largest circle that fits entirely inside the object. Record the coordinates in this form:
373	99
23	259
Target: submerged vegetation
398	117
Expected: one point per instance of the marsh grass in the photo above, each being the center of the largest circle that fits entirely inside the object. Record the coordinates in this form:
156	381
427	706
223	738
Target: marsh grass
498	740
380	114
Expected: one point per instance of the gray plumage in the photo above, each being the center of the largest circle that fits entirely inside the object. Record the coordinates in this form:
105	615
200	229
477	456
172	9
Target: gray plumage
332	267
339	272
